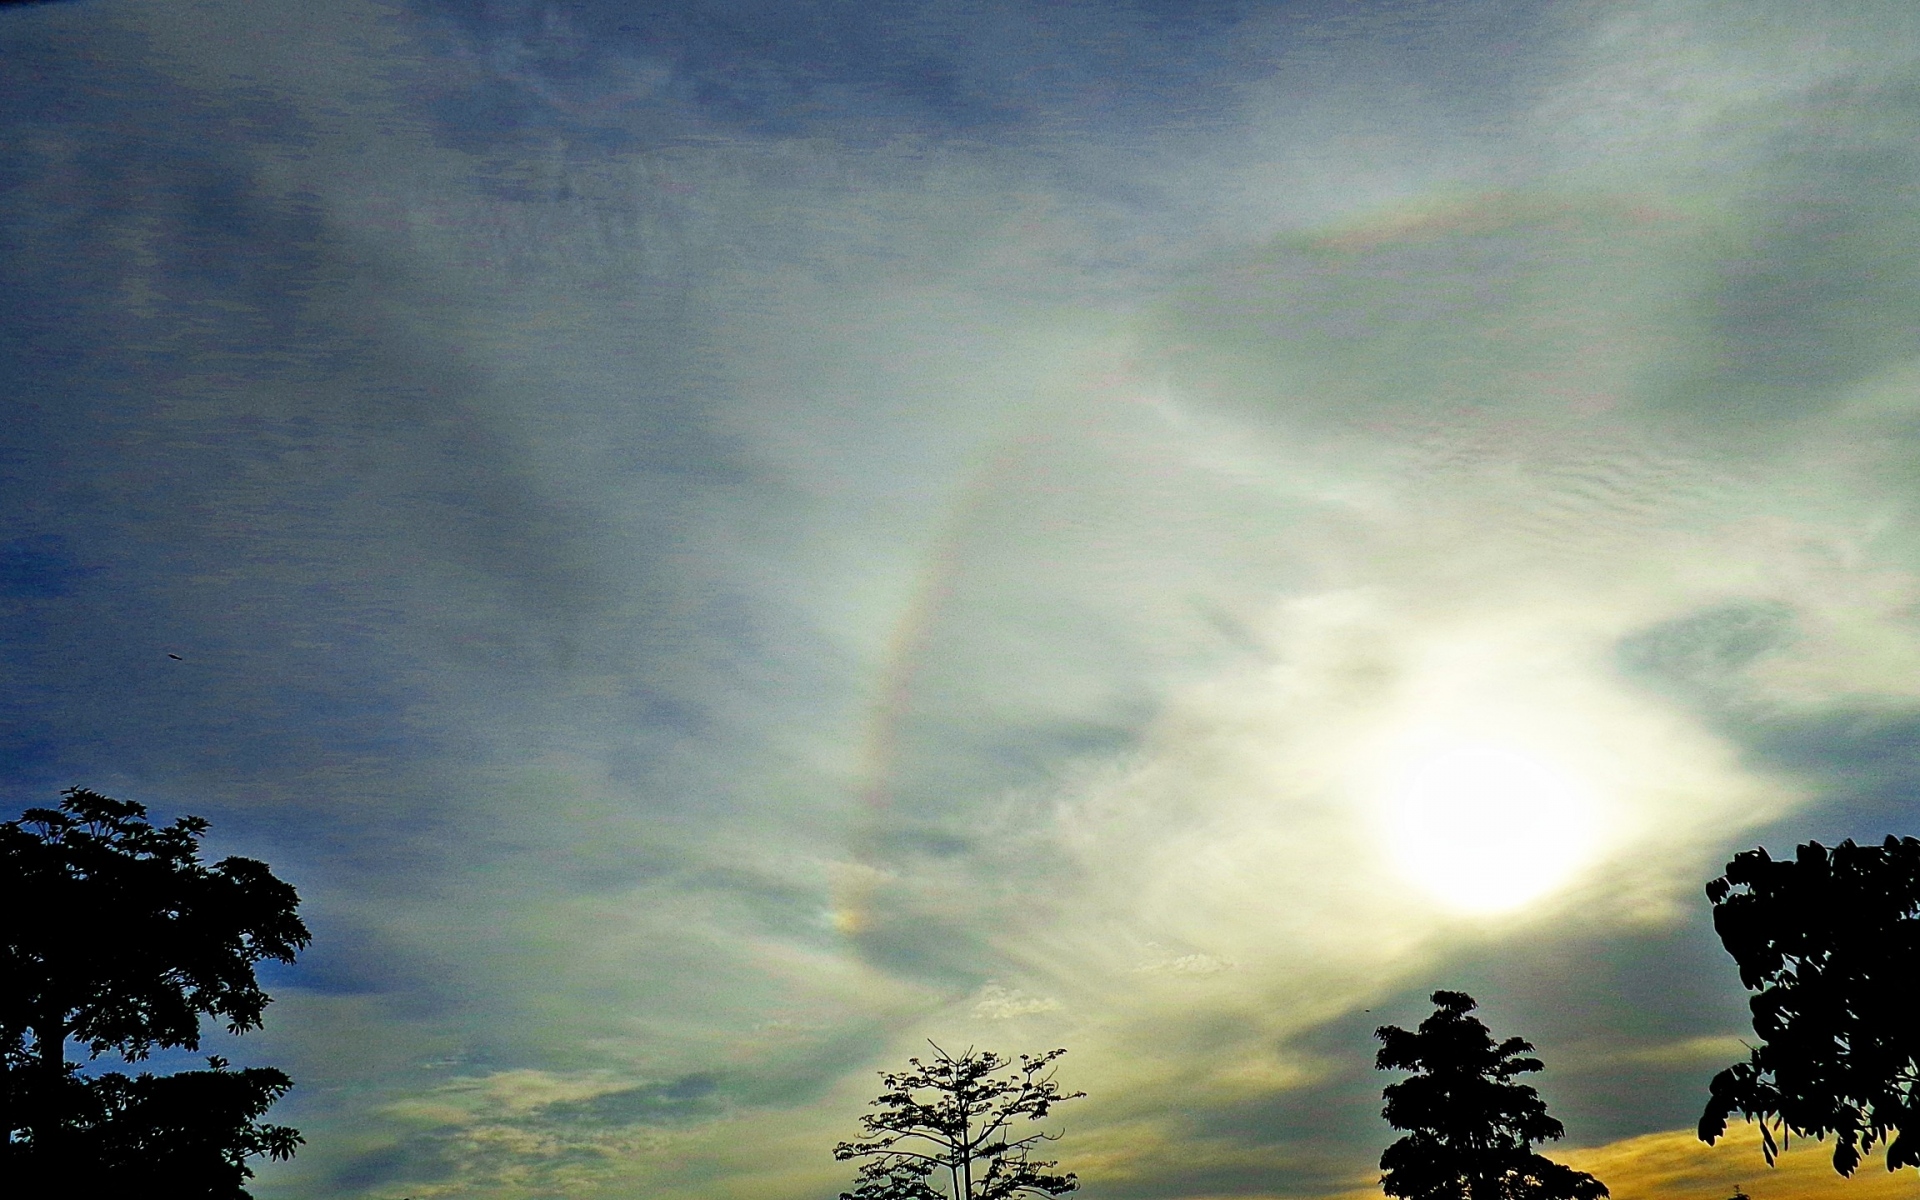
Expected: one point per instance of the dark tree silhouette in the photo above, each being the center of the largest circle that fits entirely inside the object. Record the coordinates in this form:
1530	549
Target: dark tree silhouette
953	1120
1830	945
1470	1128
118	938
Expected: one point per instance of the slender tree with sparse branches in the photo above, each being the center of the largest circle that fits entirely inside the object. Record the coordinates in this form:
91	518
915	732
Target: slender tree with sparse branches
960	1119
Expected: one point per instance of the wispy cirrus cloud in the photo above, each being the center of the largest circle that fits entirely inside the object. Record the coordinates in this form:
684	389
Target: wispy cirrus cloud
717	544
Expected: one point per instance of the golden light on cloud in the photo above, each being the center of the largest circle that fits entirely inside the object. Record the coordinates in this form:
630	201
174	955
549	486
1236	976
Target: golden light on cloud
1676	1165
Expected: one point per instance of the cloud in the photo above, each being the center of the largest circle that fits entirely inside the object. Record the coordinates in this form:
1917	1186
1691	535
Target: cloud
1716	1051
541	1130
1188	964
713	552
998	1003
1677	1164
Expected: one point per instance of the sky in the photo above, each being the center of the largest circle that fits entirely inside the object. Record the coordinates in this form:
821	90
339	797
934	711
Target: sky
718	541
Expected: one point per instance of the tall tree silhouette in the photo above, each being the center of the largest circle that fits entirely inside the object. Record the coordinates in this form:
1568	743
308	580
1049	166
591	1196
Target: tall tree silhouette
1470	1128
1829	942
959	1120
118	938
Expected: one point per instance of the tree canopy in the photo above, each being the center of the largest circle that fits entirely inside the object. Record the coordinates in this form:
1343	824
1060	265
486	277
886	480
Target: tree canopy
120	939
1470	1128
958	1119
1829	942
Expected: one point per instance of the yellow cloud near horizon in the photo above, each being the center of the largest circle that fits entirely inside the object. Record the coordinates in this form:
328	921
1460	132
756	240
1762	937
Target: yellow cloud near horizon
1676	1165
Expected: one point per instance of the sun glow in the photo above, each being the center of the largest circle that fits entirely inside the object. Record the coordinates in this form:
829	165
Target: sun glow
1486	827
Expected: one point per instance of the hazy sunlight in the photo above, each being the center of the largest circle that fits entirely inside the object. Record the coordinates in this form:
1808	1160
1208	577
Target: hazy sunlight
1486	827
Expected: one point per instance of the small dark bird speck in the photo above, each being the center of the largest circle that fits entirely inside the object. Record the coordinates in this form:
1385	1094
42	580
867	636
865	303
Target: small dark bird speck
176	658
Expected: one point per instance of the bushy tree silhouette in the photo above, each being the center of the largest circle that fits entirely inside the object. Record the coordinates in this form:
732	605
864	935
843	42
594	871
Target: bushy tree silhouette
1829	942
953	1120
1470	1128
119	938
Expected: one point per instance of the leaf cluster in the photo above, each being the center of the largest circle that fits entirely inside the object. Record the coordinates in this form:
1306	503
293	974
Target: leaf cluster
120	938
1470	1127
960	1116
125	936
1829	942
188	1134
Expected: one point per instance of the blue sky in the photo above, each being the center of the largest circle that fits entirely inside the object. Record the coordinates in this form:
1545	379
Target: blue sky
715	542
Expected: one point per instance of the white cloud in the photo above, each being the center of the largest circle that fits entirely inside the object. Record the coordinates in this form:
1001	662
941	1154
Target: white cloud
997	1003
1061	564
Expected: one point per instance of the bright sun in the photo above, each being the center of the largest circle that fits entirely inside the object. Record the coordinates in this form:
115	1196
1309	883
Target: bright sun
1485	827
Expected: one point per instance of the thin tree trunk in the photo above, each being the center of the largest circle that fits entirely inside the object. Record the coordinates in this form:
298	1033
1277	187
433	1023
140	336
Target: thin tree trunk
46	1115
966	1155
